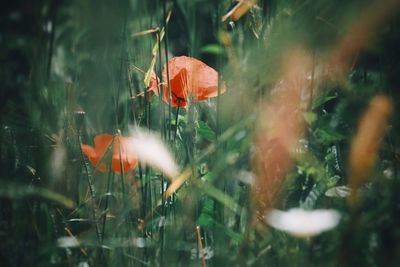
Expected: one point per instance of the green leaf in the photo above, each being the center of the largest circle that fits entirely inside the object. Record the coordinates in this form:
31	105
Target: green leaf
310	117
205	131
322	99
329	136
214	49
218	195
205	218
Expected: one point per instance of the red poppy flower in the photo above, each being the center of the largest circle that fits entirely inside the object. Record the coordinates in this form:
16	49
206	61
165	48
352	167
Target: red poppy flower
121	153
188	76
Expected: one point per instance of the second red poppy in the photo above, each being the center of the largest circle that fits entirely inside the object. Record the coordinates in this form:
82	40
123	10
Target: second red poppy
122	153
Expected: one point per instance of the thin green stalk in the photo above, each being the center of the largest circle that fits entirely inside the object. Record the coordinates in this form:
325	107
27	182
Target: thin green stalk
110	178
124	198
163	216
147	183
167	67
131	100
92	193
122	175
148	109
162	241
218	208
161	90
176	119
142	188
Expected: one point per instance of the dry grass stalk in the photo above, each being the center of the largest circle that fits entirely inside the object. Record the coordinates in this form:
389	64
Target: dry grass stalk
200	247
241	8
280	127
366	142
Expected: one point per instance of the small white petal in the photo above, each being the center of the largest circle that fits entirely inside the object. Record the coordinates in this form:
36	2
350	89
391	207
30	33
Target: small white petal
388	173
303	223
67	242
245	177
141	242
338	191
152	151
58	161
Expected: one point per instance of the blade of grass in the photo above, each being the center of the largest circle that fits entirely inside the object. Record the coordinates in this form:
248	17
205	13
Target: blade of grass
91	190
165	20
15	191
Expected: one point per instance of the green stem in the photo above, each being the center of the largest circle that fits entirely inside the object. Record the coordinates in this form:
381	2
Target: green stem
176	119
125	208
92	194
161	90
167	67
109	179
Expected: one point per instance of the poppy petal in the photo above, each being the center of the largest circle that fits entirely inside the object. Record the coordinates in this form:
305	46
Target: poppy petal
102	142
121	149
128	163
179	89
90	153
93	157
188	75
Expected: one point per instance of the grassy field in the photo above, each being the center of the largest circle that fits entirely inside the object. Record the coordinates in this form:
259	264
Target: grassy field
200	133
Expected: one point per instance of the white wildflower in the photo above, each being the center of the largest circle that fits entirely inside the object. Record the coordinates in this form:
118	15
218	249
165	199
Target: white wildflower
303	223
152	151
